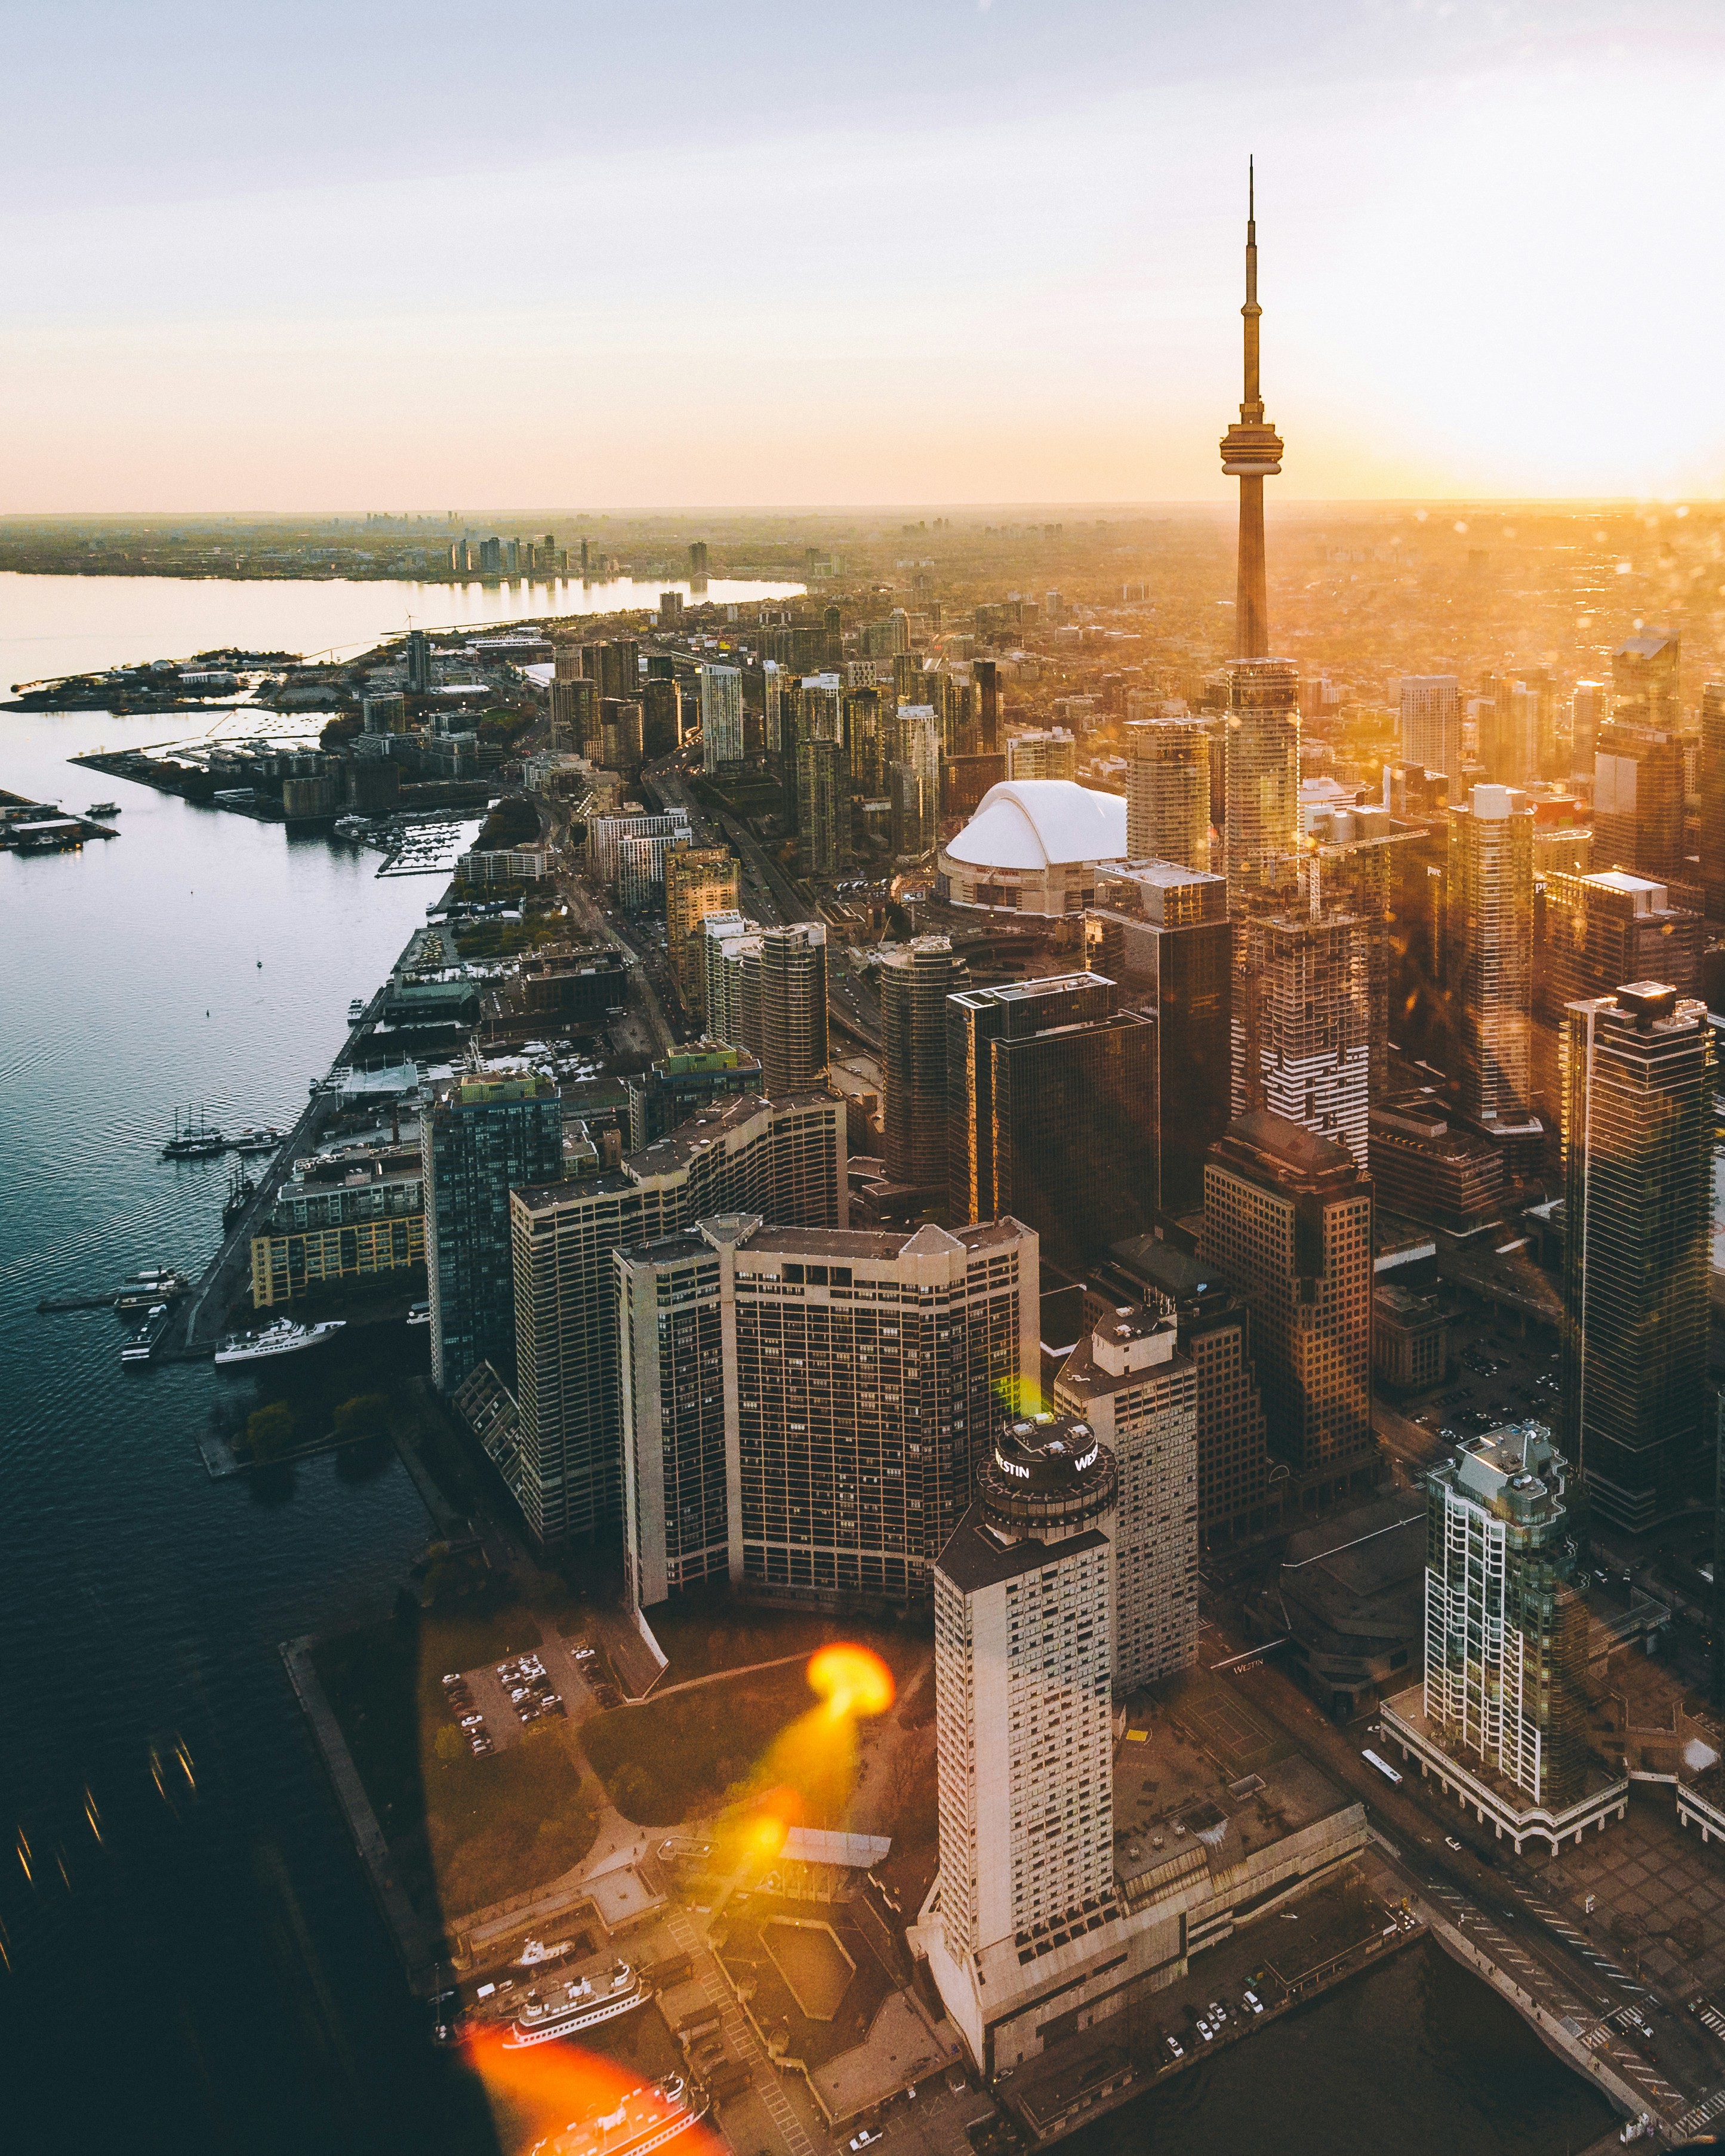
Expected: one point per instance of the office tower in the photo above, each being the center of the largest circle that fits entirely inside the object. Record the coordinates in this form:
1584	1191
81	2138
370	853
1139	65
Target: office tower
791	1042
1128	1381
1251	452
772	720
575	714
583	558
1511	722
1023	1700
1506	1628
802	1406
916	980
1644	679
965	780
865	730
684	1083
661	713
1431	724
623	731
1048	753
1287	1223
1424	1167
1712	798
1168	941
1261	834
1238	1492
987	672
1301	1022
698	880
615	668
823	803
914	780
1052	1111
820	708
418	663
478	1141
833	637
1638	798
1589	707
909	682
1167	792
1596	931
1489	947
697	558
1637	1124
720	717
569	661
782	1159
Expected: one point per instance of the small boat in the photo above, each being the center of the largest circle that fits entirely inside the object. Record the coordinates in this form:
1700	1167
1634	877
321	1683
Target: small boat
143	1290
241	1190
140	1345
283	1337
100	810
198	1140
419	1313
356	1010
257	1137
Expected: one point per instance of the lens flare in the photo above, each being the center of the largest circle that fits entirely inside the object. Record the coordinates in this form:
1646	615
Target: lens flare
851	1680
574	2102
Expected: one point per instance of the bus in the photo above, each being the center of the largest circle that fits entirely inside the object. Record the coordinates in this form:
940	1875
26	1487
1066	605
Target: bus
1383	1765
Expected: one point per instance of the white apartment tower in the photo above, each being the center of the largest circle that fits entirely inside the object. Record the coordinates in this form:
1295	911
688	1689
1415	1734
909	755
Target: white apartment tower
1128	1381
1023	1654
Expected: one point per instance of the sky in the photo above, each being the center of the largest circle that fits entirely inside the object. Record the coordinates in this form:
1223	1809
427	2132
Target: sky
367	255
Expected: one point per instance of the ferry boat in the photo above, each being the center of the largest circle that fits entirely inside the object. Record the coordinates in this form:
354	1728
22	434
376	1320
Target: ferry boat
645	2119
140	1345
419	1313
257	1137
198	1140
562	2010
100	810
143	1290
283	1337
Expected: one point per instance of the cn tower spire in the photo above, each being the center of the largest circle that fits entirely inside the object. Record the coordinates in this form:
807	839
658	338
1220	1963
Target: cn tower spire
1251	451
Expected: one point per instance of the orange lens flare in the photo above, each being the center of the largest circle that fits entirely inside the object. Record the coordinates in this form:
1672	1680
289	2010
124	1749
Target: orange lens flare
556	2090
852	1681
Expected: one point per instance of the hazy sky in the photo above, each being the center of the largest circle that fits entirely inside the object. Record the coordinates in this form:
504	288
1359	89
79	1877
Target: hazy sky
375	255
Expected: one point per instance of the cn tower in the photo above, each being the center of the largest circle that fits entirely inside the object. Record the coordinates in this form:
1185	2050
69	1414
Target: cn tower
1251	452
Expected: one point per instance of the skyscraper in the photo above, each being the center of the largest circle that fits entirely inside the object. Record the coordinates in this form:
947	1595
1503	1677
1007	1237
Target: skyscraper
698	881
916	980
1638	798
1044	752
1506	1628
1489	940
697	559
791	1027
662	715
1251	452
1167	792
685	1083
1303	1020
1599	930
418	659
562	1456
988	681
1287	1223
1261	839
1128	1381
1052	1111
720	717
1431	724
1168	940
1712	798
821	800
1589	707
1645	670
478	1141
801	1406
1638	1090
1023	1646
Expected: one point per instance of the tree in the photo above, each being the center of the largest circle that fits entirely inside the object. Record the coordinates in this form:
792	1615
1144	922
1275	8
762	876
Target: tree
363	1414
269	1430
449	1744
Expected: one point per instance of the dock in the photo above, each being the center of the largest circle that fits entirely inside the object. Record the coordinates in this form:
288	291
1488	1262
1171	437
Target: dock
43	827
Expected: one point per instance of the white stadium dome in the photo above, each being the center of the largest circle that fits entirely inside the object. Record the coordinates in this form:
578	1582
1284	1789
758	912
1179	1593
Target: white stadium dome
1034	845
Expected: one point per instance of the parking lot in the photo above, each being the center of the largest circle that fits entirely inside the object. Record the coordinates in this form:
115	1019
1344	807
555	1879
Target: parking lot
495	1704
1496	1376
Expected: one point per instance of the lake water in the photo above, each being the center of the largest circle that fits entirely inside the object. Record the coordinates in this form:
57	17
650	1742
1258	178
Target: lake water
215	1980
55	625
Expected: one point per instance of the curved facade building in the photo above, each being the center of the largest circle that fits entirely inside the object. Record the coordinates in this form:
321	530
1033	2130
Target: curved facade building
1034	846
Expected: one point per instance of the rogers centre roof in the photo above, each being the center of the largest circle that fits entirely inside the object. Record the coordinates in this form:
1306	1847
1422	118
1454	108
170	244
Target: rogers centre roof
1041	823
